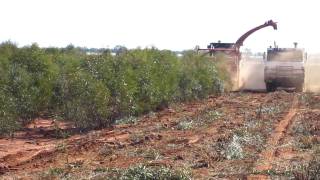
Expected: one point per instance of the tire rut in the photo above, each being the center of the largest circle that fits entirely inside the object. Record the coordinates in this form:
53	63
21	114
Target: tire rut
267	156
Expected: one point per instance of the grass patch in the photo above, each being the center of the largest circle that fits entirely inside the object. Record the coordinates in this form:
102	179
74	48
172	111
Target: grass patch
310	171
105	150
52	173
127	120
205	117
143	172
185	125
234	149
60	133
61	147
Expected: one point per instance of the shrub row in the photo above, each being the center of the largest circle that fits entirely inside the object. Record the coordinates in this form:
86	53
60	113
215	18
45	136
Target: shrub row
94	90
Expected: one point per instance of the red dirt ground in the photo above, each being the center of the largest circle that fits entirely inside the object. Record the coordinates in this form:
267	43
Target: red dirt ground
264	123
267	156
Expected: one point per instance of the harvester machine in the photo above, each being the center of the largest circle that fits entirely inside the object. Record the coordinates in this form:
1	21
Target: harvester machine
232	52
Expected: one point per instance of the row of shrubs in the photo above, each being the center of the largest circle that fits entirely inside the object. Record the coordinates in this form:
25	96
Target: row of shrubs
94	90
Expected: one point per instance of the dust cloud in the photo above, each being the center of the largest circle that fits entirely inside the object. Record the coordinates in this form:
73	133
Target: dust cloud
312	74
251	75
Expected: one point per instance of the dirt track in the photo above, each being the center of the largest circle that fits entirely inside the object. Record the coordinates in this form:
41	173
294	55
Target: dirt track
236	135
267	155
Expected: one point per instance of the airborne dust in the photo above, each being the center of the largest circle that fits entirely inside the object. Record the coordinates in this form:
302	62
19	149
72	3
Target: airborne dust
251	76
312	73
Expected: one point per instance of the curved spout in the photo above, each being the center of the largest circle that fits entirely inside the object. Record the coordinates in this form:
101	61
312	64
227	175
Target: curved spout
240	41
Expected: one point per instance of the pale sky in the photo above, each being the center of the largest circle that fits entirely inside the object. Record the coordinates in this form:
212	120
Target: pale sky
166	24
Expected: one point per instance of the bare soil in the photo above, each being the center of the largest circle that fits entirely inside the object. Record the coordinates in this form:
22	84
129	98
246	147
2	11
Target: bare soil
233	136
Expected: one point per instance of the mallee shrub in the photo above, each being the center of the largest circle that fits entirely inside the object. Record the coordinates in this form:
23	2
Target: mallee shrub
8	117
85	100
94	90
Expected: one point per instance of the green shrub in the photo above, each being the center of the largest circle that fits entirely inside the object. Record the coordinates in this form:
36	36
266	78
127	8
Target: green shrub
94	90
156	75
139	80
85	100
8	116
119	78
198	77
32	74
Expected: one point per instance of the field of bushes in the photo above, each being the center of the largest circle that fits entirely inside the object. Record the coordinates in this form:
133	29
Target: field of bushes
93	91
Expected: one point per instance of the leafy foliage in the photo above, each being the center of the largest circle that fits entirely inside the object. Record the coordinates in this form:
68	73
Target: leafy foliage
198	77
84	100
94	90
31	78
8	116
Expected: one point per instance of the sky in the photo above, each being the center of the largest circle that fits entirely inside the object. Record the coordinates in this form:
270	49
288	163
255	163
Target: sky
165	24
